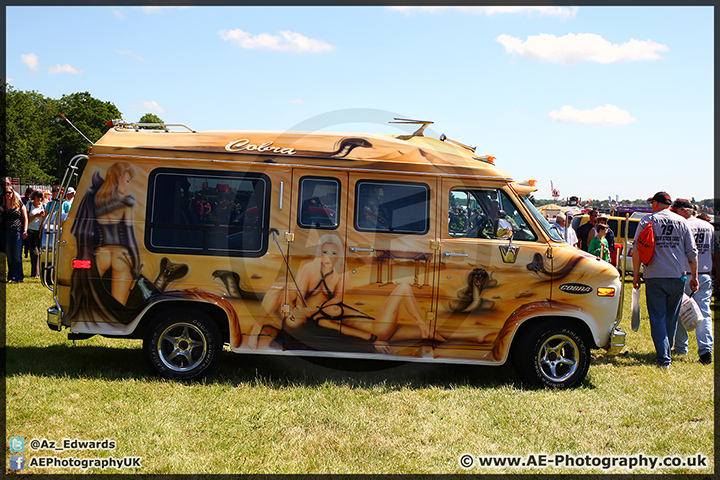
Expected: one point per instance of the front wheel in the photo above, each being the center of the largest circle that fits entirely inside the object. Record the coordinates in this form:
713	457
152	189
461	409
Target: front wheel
552	354
183	344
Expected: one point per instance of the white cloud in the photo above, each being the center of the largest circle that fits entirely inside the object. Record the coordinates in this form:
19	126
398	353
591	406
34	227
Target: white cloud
64	69
297	100
119	14
608	115
31	60
287	41
583	47
561	12
131	54
9	80
149	107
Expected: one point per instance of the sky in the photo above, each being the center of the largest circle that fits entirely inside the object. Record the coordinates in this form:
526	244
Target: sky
598	102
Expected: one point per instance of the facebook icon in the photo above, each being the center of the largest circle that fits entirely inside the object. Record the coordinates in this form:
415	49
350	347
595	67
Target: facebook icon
17	462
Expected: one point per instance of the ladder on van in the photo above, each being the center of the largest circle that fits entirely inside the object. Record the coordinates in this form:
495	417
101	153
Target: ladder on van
50	231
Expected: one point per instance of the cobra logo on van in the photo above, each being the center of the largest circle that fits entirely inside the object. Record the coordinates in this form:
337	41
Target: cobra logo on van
575	288
244	145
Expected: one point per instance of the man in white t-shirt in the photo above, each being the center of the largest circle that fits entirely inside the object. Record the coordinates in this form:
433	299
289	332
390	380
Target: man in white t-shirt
704	238
561	225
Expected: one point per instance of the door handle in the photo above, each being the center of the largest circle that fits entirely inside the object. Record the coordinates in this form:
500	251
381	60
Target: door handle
356	249
450	254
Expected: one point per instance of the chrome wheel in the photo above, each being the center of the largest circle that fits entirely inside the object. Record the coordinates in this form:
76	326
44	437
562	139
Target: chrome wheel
183	344
558	358
551	353
182	347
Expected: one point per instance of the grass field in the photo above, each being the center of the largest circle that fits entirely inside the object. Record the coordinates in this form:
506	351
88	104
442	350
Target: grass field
263	414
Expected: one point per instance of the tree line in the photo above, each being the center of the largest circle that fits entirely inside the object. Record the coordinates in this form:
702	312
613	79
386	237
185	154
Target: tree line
39	143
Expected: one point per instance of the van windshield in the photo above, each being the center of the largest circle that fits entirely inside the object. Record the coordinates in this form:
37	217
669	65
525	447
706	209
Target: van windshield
552	233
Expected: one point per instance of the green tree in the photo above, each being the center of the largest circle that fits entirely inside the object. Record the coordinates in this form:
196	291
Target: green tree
151	118
27	131
89	115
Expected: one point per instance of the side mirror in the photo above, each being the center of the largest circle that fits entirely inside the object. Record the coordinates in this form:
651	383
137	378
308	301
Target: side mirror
503	229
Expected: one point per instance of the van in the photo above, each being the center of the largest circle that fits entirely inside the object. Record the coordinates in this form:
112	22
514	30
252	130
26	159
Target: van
322	244
619	226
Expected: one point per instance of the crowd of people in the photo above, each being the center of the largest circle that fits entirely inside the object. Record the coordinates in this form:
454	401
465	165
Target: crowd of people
683	264
22	219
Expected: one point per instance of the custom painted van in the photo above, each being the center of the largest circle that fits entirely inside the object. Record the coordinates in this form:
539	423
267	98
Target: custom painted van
322	244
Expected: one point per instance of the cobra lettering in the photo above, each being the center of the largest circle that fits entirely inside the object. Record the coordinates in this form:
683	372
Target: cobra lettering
244	145
575	288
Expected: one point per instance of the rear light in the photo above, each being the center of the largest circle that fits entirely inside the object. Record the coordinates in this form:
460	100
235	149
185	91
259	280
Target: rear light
606	291
81	264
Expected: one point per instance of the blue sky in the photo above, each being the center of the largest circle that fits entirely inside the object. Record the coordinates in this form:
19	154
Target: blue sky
600	101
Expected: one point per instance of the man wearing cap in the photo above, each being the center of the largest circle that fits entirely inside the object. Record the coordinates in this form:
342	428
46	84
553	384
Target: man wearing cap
69	197
704	238
665	275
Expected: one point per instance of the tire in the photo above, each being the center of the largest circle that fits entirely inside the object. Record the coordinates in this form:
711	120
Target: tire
552	354
183	344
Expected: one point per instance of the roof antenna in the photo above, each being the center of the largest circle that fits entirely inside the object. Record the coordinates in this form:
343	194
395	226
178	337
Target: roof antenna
416	133
71	124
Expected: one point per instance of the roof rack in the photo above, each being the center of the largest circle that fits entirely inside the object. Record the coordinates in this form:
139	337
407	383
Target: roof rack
416	133
119	123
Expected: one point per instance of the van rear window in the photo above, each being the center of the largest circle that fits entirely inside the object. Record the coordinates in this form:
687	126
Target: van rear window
396	207
207	213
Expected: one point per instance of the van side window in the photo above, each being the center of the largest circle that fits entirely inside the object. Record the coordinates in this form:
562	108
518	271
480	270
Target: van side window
483	213
399	207
319	203
207	213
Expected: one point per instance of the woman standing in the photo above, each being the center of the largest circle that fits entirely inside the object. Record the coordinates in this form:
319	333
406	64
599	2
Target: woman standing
15	223
36	215
599	244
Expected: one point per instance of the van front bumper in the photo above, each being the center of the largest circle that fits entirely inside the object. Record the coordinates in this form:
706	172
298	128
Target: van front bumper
617	342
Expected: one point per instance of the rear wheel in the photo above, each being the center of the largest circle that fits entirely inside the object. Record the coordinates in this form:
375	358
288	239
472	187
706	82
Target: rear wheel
552	354
183	344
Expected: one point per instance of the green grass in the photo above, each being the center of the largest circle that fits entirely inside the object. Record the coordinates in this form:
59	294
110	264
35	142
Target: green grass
264	414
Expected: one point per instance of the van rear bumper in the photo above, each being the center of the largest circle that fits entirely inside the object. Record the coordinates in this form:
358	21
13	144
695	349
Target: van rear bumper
617	342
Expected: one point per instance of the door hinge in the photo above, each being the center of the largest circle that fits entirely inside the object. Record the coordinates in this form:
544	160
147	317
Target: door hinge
285	309
549	253
430	316
289	237
434	244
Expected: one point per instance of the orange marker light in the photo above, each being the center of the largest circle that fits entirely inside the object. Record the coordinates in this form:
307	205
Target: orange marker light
491	159
81	264
606	292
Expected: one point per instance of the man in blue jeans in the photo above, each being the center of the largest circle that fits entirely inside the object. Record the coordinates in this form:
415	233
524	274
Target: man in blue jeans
665	275
704	239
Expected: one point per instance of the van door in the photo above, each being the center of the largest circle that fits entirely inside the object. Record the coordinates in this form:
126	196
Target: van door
484	278
388	300
316	270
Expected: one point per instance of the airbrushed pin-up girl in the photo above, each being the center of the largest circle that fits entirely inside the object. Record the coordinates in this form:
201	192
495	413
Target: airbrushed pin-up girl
105	235
320	282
